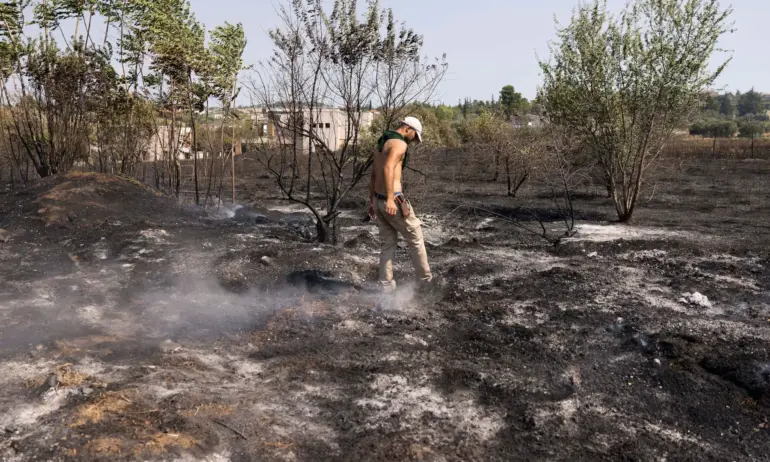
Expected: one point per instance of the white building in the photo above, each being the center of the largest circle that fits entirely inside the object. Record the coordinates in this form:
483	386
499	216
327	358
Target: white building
330	126
161	141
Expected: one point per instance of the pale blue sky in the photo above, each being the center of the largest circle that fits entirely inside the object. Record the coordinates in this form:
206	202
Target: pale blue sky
491	43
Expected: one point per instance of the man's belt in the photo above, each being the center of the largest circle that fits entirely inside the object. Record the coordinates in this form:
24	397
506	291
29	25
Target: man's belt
383	197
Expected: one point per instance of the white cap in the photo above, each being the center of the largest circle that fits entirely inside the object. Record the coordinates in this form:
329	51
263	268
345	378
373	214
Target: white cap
415	124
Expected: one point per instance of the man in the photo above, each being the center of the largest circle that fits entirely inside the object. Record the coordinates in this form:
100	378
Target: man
388	204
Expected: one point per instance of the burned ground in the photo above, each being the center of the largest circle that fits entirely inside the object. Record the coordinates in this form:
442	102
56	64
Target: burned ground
136	329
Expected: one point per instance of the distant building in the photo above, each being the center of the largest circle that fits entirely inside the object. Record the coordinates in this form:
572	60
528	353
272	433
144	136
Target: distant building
161	141
329	125
528	120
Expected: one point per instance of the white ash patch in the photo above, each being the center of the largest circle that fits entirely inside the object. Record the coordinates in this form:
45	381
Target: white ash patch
514	260
247	369
28	414
654	293
745	283
561	413
394	395
157	236
659	298
485	223
294	416
355	326
674	435
434	233
695	298
90	367
216	457
393	356
90	315
640	255
101	250
163	392
290	208
19	372
368	260
414	340
619	419
614	232
524	313
727	258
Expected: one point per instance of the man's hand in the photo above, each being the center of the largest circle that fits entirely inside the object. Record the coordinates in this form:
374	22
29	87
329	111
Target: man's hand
372	211
390	207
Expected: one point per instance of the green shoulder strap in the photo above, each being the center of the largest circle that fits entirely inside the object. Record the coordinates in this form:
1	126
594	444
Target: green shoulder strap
392	135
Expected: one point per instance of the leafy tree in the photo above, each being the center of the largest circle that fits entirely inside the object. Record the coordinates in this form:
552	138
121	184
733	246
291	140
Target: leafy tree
714	128
90	98
622	86
511	101
515	149
445	113
752	129
221	76
712	103
727	105
751	102
721	129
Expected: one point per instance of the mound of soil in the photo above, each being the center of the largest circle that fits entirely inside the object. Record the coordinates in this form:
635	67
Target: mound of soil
78	200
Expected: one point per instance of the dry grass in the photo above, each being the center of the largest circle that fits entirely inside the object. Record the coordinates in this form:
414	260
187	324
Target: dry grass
67	377
107	403
102	446
156	443
697	146
72	346
210	410
162	442
187	363
278	445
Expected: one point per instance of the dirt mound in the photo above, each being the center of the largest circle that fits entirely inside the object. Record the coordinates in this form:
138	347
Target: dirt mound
88	199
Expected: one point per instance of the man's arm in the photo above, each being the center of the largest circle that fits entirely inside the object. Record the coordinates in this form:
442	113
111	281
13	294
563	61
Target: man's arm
394	155
372	180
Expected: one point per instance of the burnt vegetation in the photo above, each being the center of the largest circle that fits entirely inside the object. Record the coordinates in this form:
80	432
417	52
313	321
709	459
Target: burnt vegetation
184	277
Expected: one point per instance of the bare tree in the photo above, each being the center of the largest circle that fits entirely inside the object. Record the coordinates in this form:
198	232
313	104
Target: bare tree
326	71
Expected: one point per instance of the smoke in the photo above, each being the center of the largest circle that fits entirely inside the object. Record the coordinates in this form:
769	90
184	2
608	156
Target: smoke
397	300
156	284
200	308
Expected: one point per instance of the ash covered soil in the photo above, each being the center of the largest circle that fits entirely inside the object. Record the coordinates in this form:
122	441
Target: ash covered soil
135	329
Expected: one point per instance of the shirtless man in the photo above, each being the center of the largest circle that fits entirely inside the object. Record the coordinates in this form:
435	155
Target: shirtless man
384	203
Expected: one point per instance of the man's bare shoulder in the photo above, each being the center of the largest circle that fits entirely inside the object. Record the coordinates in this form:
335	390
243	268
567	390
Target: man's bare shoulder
394	147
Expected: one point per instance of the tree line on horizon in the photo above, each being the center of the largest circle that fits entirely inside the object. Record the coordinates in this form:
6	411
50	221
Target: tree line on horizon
616	88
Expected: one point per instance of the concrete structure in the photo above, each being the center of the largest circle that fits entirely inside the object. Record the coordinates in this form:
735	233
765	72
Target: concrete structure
528	120
330	126
159	144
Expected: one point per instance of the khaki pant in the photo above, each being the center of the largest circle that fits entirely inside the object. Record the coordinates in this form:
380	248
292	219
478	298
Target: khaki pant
411	229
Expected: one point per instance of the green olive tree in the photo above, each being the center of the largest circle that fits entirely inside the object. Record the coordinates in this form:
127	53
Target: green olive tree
623	84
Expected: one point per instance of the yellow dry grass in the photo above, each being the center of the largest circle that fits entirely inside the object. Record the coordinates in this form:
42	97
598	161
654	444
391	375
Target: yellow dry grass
71	346
210	410
278	445
96	412
103	446
163	442
67	377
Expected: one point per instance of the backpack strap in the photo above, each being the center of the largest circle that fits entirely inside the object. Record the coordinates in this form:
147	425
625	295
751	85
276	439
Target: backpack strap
392	135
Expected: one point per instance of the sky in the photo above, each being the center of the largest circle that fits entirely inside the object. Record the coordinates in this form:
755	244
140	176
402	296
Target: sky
492	43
